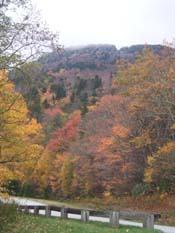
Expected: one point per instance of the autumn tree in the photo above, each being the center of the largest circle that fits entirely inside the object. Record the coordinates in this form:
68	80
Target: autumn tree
19	142
102	150
22	38
161	168
58	147
67	176
62	137
148	85
42	173
53	118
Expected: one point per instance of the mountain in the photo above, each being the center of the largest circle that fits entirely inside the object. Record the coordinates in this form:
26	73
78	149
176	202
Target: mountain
90	61
92	56
80	74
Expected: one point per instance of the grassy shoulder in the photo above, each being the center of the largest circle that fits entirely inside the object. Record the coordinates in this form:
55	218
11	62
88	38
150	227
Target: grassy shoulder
41	224
163	204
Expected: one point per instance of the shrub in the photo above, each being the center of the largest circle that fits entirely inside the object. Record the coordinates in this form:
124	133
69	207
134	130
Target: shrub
8	214
140	189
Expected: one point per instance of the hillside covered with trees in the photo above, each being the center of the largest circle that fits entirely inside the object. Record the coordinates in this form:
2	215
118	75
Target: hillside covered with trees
110	132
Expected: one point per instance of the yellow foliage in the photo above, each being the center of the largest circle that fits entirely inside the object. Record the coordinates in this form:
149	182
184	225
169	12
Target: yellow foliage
167	148
142	140
18	149
148	175
161	163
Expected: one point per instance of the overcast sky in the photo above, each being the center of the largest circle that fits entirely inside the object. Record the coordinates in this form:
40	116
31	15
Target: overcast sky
118	22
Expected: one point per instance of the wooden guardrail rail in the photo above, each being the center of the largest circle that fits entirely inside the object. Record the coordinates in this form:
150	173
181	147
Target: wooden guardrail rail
114	216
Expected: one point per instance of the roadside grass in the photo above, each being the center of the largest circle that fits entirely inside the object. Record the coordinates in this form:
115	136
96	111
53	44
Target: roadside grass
163	204
41	224
8	214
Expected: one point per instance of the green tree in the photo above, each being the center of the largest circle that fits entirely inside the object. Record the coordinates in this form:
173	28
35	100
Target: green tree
97	82
59	90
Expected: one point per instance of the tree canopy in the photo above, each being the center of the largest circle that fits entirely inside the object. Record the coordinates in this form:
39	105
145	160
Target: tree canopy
19	144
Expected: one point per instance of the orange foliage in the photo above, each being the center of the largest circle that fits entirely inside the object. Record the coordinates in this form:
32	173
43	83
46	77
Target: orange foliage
62	137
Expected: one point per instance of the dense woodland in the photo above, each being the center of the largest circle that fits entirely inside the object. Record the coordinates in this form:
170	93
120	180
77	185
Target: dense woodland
83	139
87	122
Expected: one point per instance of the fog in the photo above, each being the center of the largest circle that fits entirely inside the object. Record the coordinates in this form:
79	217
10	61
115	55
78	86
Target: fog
118	22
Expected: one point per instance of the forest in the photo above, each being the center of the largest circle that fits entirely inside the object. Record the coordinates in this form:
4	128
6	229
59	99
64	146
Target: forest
78	141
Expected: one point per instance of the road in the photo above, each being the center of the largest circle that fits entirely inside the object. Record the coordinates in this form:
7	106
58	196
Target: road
23	201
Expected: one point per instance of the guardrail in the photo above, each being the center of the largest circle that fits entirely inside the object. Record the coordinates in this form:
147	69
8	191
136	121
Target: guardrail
114	216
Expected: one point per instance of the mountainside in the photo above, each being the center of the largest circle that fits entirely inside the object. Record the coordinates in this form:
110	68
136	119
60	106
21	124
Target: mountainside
89	61
92	56
107	124
76	77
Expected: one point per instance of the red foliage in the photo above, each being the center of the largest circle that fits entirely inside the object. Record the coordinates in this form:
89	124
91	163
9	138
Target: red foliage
62	137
